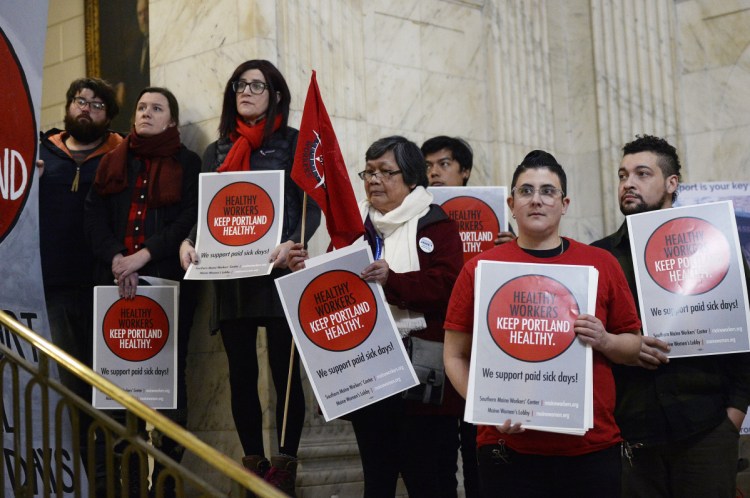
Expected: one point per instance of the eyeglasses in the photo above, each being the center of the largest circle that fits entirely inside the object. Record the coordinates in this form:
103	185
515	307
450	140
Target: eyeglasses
385	175
93	105
256	87
547	193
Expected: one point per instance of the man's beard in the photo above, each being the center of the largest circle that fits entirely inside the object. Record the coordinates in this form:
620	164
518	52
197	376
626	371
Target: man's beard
85	130
642	206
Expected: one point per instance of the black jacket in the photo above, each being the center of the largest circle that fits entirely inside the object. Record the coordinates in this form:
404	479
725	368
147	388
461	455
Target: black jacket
165	227
67	259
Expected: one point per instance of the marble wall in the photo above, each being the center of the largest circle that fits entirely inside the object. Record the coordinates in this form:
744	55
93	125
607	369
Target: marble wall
576	77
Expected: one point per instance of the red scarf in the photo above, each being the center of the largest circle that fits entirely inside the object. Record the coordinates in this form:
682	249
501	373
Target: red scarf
160	154
246	138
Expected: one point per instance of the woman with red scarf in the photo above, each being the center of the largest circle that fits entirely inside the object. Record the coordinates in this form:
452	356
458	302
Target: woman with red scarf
142	205
254	136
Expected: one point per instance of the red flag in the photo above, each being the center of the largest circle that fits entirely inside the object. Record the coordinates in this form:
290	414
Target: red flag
320	171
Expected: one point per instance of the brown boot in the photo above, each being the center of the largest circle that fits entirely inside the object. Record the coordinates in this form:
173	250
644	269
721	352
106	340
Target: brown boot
283	473
257	464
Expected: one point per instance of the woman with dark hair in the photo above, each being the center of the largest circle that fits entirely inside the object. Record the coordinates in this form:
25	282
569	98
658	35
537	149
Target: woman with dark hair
418	255
254	136
143	203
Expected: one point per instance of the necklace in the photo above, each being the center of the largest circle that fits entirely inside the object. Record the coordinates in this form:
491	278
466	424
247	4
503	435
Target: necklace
562	246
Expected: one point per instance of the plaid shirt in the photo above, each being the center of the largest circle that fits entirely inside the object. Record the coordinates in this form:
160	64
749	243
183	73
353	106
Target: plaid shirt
134	233
682	398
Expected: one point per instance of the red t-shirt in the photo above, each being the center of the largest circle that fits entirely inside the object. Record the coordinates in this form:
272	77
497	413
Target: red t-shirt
614	307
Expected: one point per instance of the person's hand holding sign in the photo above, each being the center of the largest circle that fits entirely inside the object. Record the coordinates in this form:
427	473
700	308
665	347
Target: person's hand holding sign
377	271
279	255
653	353
187	254
510	428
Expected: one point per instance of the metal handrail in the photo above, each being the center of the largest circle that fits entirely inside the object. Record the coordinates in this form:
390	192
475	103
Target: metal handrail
219	461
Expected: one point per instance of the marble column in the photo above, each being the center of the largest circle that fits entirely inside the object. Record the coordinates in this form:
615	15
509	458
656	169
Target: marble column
637	88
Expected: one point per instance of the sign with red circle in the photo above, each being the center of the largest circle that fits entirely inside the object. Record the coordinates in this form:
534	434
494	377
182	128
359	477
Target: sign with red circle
477	223
337	310
531	318
135	329
240	213
18	138
687	256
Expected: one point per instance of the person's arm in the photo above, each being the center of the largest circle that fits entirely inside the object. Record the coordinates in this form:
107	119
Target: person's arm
456	356
100	236
623	348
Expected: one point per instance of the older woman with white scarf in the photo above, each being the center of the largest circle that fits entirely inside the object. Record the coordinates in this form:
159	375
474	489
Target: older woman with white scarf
418	257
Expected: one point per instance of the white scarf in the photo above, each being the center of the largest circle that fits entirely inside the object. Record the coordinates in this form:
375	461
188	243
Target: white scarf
399	231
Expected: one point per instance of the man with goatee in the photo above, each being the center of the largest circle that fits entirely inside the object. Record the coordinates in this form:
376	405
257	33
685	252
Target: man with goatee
680	417
68	162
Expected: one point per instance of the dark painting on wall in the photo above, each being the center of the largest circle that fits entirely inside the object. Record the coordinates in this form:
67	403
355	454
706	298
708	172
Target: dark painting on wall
117	50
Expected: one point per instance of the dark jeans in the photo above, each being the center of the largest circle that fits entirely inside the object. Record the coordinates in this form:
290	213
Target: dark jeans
70	312
704	465
504	472
468	433
239	338
422	448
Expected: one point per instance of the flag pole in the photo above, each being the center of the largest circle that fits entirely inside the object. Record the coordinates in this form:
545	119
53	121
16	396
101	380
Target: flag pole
291	350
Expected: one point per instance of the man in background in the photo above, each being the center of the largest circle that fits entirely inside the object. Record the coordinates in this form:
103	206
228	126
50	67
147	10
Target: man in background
680	418
449	161
67	165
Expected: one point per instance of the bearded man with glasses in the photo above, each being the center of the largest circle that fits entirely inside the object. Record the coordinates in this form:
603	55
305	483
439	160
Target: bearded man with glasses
68	160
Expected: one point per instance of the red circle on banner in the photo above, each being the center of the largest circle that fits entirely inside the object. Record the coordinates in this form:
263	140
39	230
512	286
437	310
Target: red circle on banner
240	214
18	138
687	256
478	225
337	310
135	329
531	318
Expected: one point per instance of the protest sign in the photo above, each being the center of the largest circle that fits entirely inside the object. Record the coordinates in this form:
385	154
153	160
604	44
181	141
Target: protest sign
27	442
240	217
135	343
344	331
691	281
479	213
526	363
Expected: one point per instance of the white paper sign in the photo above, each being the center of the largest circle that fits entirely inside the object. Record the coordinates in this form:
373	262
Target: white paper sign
691	281
240	218
135	343
344	331
526	363
480	213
